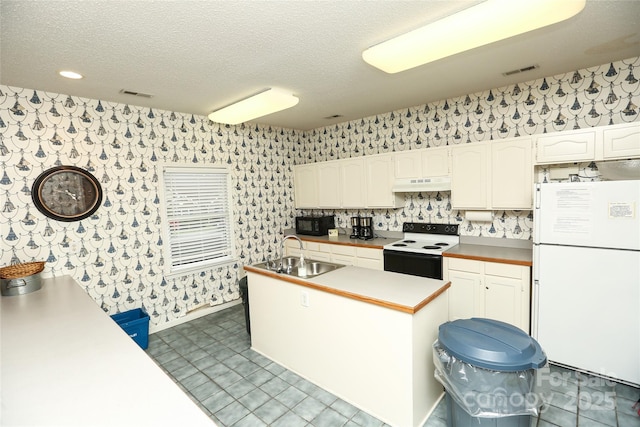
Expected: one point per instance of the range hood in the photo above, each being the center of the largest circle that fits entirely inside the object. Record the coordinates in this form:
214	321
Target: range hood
414	185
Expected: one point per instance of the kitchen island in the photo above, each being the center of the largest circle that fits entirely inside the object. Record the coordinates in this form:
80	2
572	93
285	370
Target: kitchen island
65	362
364	335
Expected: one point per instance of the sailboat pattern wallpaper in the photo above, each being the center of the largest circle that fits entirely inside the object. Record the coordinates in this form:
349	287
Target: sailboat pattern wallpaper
117	253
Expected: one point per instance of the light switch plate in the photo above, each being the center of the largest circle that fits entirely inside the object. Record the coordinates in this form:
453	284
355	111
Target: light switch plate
333	232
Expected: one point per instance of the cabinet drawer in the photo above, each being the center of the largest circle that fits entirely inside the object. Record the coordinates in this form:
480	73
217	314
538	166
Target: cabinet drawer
318	256
343	250
370	253
503	270
312	246
465	265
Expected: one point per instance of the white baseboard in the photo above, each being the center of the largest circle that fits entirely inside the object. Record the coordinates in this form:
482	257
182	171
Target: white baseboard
193	315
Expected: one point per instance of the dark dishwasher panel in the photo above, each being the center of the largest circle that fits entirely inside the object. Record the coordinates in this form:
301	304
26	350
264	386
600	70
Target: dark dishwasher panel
423	265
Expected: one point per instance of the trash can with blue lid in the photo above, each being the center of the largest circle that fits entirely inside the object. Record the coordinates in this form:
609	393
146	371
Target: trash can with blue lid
488	369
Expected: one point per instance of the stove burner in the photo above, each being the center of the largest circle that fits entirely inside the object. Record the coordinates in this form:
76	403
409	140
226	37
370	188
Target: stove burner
442	244
431	247
408	241
398	244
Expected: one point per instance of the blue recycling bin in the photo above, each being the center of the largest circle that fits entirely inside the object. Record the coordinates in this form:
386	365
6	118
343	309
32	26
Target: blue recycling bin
136	324
488	369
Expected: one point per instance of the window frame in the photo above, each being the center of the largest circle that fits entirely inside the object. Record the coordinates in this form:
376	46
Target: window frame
167	219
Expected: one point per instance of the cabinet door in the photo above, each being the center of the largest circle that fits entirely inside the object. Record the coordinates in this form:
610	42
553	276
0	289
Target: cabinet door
511	174
435	162
305	181
329	184
563	147
373	264
463	294
621	142
503	300
353	185
291	248
380	178
469	174
370	258
407	164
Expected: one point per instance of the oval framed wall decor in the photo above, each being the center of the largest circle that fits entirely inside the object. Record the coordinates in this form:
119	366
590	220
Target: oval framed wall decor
66	193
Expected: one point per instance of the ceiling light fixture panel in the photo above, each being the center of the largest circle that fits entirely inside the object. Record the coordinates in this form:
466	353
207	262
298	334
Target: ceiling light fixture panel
266	102
479	25
71	74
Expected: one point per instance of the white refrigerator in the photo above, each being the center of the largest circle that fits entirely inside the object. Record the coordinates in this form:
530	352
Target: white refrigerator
586	276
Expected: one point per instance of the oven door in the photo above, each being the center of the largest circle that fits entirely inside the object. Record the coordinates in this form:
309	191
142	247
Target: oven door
424	265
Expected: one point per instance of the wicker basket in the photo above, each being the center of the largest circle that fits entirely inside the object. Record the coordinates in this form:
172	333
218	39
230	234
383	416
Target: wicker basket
17	271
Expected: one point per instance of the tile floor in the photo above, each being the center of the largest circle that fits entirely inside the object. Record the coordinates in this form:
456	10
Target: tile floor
211	360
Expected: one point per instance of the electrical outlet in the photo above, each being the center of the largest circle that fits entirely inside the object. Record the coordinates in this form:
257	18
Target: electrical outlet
304	298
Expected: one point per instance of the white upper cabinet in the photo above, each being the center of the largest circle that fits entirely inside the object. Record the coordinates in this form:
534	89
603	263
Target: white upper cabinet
425	163
360	182
408	164
469	176
495	175
435	161
380	177
305	180
600	143
562	147
353	183
621	141
511	174
329	184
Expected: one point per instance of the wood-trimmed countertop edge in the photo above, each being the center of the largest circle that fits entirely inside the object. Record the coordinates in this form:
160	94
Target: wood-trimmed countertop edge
489	259
358	297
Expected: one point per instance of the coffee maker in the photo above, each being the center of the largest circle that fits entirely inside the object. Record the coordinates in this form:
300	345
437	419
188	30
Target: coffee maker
366	228
355	227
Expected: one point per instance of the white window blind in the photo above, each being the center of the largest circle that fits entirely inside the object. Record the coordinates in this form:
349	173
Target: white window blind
198	217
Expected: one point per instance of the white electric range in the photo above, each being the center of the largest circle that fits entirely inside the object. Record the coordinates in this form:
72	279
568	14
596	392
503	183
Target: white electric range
419	252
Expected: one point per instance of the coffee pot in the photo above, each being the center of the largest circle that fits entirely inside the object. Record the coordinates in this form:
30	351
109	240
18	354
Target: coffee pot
355	227
366	228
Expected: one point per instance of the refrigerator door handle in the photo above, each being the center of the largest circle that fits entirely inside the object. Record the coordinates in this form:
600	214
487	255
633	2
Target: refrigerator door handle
536	213
536	292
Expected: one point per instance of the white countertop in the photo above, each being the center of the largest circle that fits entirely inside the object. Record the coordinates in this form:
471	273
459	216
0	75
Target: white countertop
64	362
393	290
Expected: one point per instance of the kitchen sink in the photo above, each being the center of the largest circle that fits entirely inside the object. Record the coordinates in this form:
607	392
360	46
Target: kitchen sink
291	265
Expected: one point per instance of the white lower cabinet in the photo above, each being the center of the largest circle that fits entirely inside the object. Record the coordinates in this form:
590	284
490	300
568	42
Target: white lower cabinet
489	289
370	258
339	254
342	254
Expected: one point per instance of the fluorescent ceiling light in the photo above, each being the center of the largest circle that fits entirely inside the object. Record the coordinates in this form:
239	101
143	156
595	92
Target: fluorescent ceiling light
70	74
266	102
476	26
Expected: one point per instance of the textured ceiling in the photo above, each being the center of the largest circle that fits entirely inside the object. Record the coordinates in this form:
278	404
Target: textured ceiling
198	56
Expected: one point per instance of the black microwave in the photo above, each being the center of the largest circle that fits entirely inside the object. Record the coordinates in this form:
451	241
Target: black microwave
314	225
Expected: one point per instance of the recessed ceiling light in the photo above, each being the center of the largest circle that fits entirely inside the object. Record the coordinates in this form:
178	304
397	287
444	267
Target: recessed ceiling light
71	74
476	26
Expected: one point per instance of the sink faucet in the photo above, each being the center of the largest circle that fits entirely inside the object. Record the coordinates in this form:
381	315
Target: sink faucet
289	236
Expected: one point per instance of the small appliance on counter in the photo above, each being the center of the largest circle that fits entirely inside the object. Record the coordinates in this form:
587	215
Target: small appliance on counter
366	228
315	225
355	227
